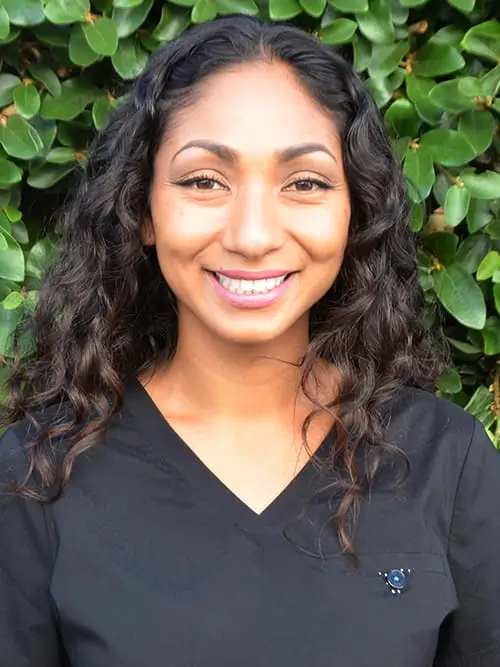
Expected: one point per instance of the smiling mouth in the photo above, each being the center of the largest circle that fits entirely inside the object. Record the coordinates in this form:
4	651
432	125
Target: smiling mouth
241	286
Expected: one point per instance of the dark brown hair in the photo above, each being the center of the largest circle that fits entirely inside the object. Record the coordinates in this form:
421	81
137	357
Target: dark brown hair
105	312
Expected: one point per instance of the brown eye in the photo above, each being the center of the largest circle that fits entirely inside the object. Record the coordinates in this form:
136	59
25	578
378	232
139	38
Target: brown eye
304	186
308	185
202	184
206	184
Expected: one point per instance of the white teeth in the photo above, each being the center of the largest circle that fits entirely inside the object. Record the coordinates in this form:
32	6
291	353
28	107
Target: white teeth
250	286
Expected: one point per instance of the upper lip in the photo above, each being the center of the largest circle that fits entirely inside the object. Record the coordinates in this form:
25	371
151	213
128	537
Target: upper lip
252	275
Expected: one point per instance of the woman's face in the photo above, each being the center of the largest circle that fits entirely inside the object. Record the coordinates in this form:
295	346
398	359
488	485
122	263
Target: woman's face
249	205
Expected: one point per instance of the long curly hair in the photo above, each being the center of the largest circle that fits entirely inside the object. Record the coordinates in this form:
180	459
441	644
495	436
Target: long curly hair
105	312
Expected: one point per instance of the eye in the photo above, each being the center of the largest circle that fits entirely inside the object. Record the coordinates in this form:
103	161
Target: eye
307	185
202	183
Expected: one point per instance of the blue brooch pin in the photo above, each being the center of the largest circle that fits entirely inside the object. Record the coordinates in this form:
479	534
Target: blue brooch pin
397	580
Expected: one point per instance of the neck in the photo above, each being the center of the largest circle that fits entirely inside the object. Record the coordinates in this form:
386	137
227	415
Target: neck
208	375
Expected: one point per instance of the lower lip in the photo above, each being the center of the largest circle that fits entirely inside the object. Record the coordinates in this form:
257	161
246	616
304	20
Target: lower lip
251	300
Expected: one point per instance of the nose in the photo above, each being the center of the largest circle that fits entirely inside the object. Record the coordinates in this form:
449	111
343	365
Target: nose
253	226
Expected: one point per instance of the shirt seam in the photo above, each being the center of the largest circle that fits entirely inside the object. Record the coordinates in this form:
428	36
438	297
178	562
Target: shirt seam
459	481
49	530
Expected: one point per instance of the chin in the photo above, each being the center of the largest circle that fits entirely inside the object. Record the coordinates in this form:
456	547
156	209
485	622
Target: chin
250	336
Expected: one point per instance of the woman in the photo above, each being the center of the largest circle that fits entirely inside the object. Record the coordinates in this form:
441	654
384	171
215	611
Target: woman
228	451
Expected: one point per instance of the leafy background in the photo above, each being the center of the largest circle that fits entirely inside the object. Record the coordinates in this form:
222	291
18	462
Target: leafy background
433	67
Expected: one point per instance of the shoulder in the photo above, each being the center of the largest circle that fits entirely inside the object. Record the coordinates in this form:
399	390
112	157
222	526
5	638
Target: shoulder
418	418
446	446
16	438
13	456
437	436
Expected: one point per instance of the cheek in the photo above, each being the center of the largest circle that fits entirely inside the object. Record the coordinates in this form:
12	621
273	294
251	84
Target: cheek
179	233
323	234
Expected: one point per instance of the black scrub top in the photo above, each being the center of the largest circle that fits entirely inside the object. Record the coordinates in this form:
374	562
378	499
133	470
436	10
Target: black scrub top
147	559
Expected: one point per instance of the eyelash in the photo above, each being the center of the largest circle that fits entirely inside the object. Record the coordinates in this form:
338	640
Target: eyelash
205	177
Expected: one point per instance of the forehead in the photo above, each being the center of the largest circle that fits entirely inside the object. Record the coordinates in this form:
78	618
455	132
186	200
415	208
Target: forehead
256	107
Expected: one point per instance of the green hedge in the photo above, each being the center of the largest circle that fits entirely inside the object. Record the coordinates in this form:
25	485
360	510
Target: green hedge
432	67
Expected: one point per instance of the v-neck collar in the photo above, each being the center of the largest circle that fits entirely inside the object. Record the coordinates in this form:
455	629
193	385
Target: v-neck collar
167	445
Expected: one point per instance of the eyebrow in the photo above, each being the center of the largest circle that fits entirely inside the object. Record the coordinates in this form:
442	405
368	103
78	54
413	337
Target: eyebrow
230	155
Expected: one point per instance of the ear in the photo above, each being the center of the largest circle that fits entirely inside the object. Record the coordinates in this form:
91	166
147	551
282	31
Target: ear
147	231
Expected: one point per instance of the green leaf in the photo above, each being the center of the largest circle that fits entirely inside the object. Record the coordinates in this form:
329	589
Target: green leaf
493	229
126	3
11	259
250	8
66	11
442	245
464	347
491	336
61	155
341	31
380	90
448	96
440	188
312	7
401	119
282	10
46	76
41	256
24	12
47	175
4	23
101	109
20	139
129	59
413	3
362	50
456	205
419	170
203	10
418	91
386	58
75	96
7	84
54	35
447	147
3	242
478	128
399	13
9	173
470	86
496	296
480	404
13	214
417	217
437	60
490	82
483	40
471	252
489	265
9	320
172	23
449	34
11	37
376	23
102	36
13	300
449	382
128	20
460	295
79	50
478	215
485	185
465	6
26	99
350	5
